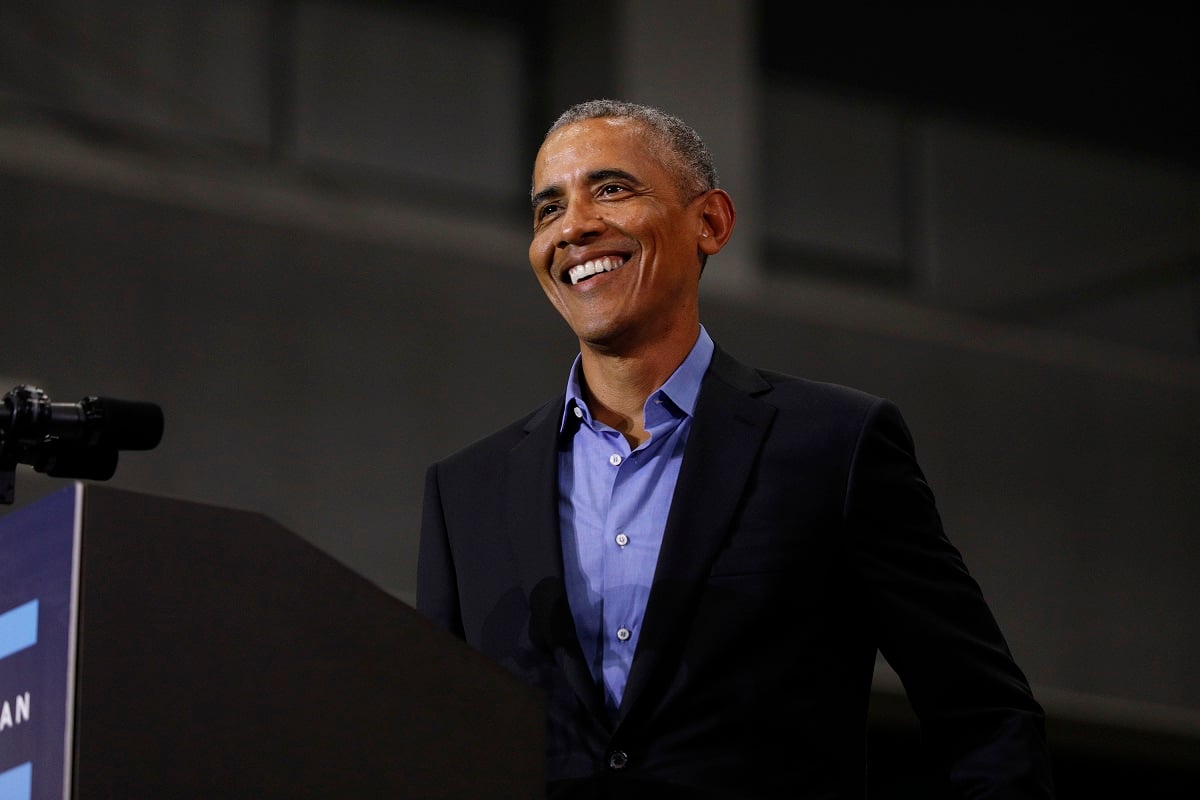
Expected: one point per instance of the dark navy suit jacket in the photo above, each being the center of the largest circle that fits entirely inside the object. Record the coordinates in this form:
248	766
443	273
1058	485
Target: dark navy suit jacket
802	539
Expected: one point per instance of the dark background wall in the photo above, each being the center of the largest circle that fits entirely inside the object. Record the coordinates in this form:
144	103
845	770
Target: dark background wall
300	227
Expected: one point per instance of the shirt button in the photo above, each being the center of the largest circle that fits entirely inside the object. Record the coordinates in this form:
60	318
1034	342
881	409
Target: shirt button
615	459
622	539
623	634
617	759
578	412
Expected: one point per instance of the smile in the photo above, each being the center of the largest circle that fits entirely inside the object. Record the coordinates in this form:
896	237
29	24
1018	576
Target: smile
581	272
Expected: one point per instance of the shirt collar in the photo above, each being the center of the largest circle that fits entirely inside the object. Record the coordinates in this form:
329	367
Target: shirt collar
682	388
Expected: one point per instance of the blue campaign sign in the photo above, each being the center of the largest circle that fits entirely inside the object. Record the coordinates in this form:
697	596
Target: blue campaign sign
39	546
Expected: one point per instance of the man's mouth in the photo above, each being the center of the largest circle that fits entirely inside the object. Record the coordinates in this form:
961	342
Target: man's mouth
581	272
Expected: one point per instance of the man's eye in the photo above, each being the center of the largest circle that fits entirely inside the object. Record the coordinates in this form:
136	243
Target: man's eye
547	210
611	188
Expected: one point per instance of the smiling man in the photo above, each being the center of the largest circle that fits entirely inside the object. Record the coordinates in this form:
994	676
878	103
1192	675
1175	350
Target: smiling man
697	561
620	234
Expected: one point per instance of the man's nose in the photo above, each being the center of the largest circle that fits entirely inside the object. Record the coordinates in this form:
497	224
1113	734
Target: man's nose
581	221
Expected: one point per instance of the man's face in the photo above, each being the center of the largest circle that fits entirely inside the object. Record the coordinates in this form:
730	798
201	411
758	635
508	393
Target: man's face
615	245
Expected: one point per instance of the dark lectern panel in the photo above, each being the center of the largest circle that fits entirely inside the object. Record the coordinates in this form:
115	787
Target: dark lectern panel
220	655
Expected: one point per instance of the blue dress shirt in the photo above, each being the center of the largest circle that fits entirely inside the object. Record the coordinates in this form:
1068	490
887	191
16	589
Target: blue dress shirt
613	504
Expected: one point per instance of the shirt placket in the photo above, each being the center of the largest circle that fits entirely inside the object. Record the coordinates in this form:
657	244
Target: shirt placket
619	628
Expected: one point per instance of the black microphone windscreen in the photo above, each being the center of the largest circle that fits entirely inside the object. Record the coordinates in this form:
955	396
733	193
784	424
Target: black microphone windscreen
127	424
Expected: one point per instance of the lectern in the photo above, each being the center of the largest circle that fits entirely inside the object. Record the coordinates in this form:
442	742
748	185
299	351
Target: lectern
157	648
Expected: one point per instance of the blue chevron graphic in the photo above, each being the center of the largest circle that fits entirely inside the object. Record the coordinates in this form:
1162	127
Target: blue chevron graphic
17	783
18	630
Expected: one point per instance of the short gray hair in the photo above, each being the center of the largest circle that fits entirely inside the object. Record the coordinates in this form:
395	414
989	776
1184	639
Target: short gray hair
692	158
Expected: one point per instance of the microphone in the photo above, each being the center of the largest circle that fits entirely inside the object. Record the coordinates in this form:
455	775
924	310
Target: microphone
71	440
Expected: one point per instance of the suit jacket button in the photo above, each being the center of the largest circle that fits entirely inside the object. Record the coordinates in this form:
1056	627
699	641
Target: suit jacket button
617	759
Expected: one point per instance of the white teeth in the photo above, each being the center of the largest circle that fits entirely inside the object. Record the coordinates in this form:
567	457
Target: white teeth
589	268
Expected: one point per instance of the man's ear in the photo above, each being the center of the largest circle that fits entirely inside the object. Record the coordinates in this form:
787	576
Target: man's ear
717	216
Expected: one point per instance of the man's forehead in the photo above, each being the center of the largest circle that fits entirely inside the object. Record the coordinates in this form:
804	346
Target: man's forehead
592	147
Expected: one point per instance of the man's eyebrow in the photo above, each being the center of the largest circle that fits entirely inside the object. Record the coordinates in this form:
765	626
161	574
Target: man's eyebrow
544	195
599	176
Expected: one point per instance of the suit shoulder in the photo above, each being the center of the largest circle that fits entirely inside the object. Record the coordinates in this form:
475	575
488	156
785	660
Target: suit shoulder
786	390
843	412
503	439
797	398
791	389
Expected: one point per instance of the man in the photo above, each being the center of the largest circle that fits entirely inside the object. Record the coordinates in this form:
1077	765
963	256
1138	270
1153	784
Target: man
697	561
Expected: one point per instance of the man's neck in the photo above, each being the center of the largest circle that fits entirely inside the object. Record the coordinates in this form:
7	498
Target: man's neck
616	384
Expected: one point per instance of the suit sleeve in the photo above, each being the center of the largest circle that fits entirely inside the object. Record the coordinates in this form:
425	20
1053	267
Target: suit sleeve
934	626
437	584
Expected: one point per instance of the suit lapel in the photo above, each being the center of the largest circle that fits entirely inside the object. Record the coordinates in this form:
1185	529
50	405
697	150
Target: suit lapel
531	493
726	436
532	496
